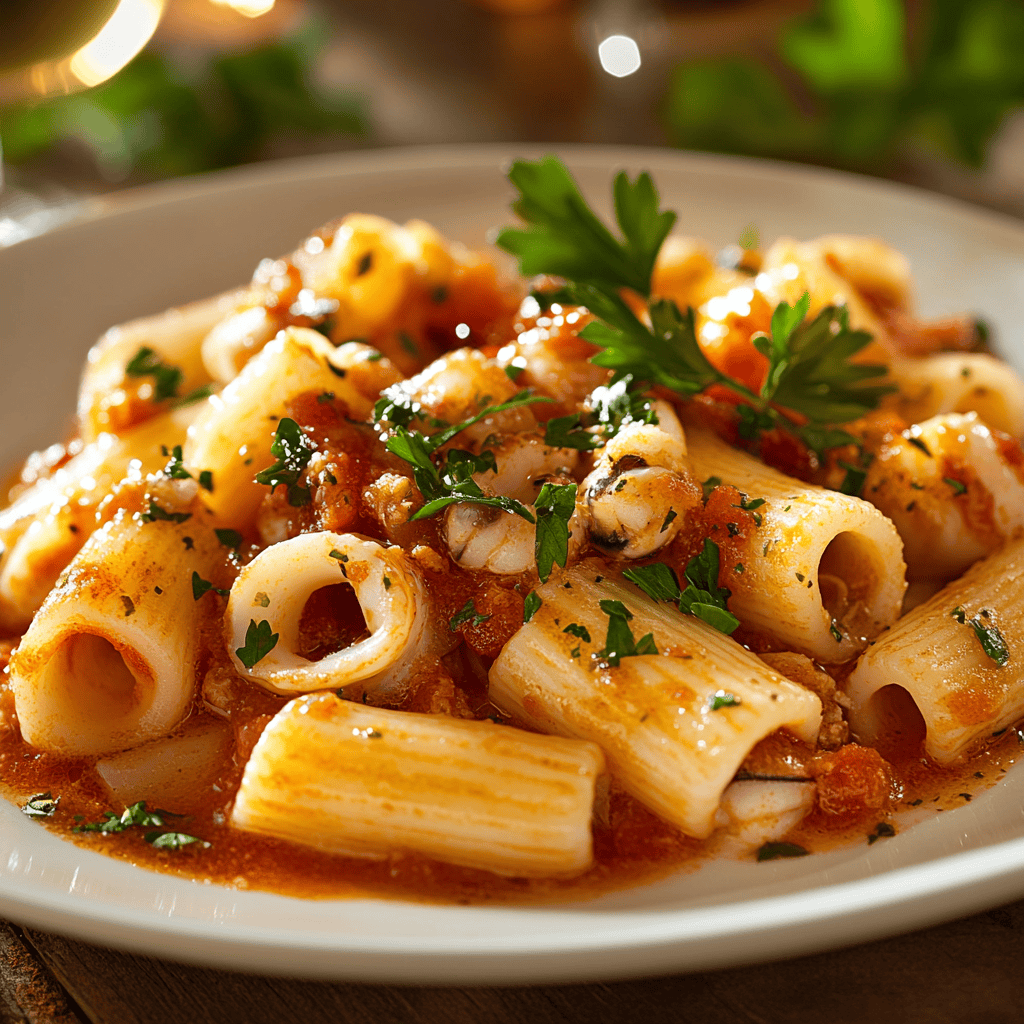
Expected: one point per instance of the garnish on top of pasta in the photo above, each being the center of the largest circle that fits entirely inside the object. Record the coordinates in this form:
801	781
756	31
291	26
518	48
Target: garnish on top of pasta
388	572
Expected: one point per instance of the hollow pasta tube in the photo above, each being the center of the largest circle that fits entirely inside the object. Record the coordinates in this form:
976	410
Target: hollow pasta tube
675	726
823	571
276	584
367	782
960	688
109	660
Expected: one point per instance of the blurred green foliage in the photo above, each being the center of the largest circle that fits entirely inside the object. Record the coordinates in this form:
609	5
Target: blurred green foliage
158	119
857	86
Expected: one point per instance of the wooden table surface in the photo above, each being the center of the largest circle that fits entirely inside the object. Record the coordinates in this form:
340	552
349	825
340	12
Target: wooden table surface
964	972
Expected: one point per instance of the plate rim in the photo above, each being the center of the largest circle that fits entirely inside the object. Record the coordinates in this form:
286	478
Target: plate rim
978	878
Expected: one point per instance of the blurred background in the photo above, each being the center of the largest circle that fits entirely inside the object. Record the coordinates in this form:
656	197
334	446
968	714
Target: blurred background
99	95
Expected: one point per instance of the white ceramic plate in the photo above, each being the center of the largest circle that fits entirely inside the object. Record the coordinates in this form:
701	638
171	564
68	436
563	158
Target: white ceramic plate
177	242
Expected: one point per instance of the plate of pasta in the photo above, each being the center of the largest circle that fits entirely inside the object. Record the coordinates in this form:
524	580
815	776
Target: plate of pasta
461	565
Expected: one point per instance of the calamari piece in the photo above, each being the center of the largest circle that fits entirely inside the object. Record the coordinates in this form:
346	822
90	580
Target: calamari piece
275	586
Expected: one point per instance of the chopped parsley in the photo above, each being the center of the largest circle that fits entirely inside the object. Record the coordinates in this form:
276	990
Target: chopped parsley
452	481
293	450
259	642
772	851
882	830
42	805
156	512
467	614
166	378
578	631
206	480
137	816
809	363
620	642
723	699
555	505
667	522
709	485
609	409
201	586
513	371
992	641
531	605
702	597
229	538
958	487
175	468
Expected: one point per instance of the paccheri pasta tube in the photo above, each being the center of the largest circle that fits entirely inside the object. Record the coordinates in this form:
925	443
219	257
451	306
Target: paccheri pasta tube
110	659
369	782
823	572
675	725
960	657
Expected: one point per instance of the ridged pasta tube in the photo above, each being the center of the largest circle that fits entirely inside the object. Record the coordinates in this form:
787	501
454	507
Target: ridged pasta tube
960	382
366	782
47	525
961	690
823	572
954	490
276	585
109	660
655	716
105	397
233	435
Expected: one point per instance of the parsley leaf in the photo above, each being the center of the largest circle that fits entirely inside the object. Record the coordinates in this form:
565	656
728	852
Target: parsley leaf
772	851
702	597
724	699
156	512
201	586
171	840
531	605
555	505
467	614
620	642
175	468
578	631
166	378
259	642
293	450
229	538
566	239
992	641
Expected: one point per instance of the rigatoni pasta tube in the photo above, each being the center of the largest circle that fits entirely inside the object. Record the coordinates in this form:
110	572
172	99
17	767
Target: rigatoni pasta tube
956	680
109	660
105	397
675	726
823	572
362	781
232	437
276	585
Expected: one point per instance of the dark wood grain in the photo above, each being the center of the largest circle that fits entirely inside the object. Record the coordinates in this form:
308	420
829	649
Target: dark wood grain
965	972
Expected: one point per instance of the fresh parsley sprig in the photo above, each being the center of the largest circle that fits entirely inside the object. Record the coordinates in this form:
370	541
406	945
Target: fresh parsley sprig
702	597
608	410
811	384
293	450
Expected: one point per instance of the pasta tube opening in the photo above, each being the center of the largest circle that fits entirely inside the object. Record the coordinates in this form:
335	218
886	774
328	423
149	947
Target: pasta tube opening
89	676
277	587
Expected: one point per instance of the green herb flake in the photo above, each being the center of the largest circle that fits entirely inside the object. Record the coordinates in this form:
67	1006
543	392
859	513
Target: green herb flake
724	699
262	599
42	805
324	397
175	468
669	516
293	450
883	830
467	614
958	487
992	641
172	840
260	640
709	485
387	582
620	642
578	631
918	443
201	587
156	513
229	538
836	634
166	379
514	372
531	605
772	851
206	480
